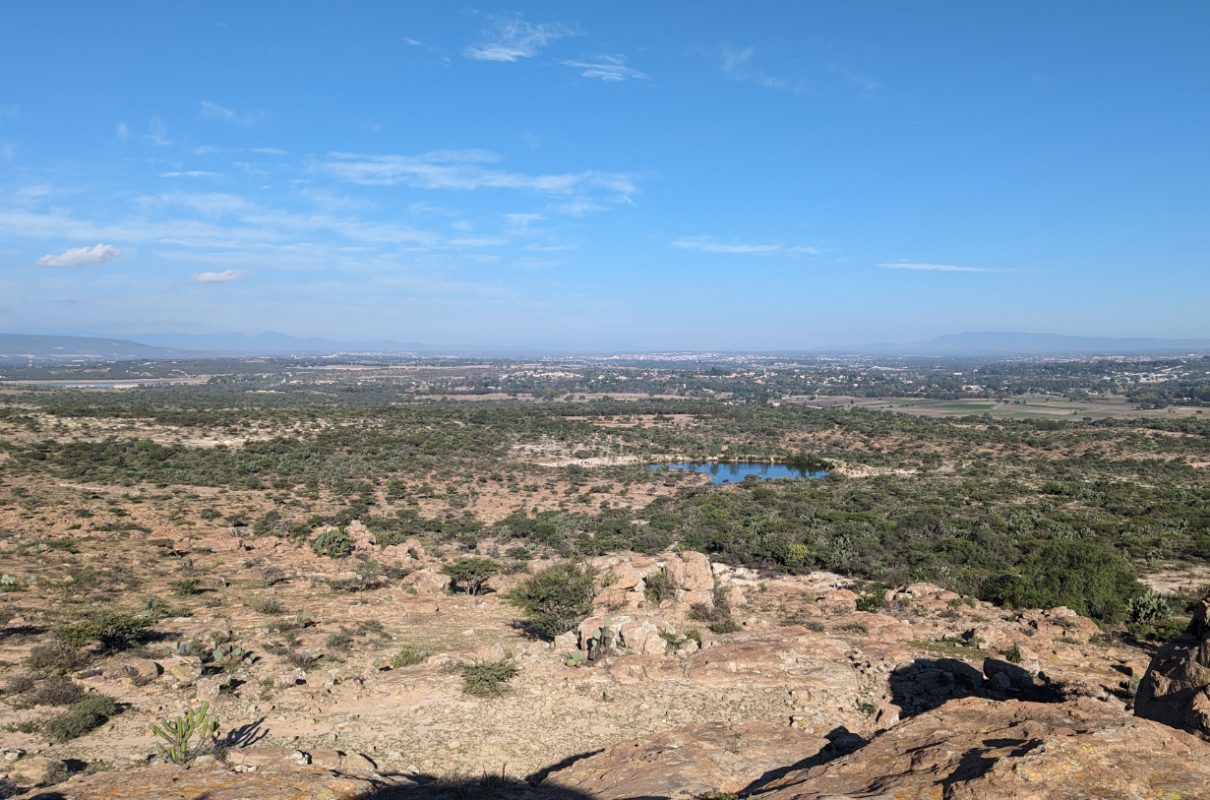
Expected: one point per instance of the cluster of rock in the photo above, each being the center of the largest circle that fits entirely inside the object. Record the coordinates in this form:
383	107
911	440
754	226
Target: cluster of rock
932	695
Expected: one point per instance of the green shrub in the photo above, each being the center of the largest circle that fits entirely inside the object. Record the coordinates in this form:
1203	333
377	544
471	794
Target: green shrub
55	657
487	678
471	573
81	717
873	599
334	543
658	587
1090	578
266	605
186	587
1147	608
717	616
408	656
115	630
555	599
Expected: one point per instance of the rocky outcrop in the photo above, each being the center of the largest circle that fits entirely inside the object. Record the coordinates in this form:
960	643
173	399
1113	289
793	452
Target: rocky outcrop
1176	687
970	749
977	749
692	577
690	762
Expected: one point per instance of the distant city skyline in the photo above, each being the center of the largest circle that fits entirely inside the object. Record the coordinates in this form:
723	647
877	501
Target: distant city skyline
671	176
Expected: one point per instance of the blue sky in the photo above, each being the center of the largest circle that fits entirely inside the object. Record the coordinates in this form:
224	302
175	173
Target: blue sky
696	175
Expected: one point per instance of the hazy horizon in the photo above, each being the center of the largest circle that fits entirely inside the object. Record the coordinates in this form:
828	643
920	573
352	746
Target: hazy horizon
672	177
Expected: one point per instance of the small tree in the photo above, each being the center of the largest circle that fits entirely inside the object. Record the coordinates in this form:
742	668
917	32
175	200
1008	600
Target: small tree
470	574
555	599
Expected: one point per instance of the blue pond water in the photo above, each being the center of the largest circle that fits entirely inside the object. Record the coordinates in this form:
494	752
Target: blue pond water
734	471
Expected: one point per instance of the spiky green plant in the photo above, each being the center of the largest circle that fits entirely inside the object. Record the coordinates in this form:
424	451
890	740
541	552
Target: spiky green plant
196	724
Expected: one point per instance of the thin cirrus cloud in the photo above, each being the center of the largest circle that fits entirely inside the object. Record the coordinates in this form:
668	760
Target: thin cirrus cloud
737	65
468	170
605	67
225	276
80	256
708	244
925	266
229	116
512	39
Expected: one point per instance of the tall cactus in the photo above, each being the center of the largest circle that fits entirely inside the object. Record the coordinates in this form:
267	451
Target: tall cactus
177	733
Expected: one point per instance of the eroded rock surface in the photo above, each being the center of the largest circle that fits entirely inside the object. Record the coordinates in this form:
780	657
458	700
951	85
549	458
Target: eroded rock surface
1176	688
977	749
689	762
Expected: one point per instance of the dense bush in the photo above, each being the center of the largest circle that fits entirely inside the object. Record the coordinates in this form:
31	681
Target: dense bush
81	717
487	678
1148	608
658	587
334	543
555	600
115	630
1088	577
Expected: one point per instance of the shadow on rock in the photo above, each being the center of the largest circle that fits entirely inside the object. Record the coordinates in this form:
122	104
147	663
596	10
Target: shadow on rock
487	787
926	683
841	742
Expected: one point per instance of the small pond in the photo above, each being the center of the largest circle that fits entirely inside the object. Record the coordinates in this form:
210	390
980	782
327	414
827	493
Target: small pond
735	471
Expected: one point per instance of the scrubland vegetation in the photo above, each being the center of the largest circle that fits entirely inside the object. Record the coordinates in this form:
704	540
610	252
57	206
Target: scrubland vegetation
1024	512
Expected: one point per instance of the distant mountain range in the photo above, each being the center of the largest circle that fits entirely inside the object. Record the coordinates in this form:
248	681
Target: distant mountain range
22	348
270	343
1009	344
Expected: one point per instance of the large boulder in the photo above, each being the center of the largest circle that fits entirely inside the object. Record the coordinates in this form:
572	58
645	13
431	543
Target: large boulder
362	538
979	749
692	578
621	587
1176	688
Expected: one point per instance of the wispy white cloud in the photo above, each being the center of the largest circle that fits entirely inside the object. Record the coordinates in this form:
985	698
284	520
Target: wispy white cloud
211	150
121	131
80	256
157	133
244	119
606	67
211	204
225	276
189	173
8	151
708	244
737	65
468	170
924	266
519	222
512	38
867	85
